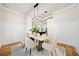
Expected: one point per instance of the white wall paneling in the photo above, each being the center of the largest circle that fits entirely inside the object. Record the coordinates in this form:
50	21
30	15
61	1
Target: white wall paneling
12	25
65	25
2	28
28	24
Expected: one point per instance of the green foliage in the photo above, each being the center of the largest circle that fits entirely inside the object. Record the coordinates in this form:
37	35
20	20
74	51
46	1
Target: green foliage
34	29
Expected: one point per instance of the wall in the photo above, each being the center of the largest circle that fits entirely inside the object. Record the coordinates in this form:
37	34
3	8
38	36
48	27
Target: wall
12	25
2	30
65	25
28	24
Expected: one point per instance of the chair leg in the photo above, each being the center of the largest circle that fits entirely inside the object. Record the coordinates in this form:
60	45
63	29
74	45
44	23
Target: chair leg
26	49
51	53
30	52
55	53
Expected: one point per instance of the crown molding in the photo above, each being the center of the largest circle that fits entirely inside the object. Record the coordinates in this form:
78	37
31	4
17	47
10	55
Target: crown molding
62	9
14	11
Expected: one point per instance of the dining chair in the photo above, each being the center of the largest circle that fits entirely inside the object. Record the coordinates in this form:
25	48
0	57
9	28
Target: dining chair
18	49
49	45
59	51
77	50
52	47
29	44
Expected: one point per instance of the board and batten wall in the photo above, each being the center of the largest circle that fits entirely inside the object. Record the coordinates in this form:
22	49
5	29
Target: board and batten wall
12	25
65	25
28	24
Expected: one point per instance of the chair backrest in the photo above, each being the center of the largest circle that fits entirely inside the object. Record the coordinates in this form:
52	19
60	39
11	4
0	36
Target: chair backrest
29	43
47	46
59	52
77	50
54	42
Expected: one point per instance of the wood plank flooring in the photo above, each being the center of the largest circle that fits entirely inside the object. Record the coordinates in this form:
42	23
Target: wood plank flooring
6	49
70	51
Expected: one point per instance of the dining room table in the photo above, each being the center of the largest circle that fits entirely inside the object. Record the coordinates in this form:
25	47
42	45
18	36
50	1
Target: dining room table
40	39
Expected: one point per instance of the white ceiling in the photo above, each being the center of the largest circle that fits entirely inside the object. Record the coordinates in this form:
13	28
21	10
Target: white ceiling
20	7
51	7
28	7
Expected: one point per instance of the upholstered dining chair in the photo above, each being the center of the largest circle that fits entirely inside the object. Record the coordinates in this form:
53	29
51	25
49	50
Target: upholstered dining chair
52	47
77	49
17	49
49	46
29	44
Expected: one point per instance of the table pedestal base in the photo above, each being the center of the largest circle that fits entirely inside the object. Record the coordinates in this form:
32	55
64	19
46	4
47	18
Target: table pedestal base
39	47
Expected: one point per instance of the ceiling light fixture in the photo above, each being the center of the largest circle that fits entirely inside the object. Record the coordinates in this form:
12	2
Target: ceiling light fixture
36	12
40	20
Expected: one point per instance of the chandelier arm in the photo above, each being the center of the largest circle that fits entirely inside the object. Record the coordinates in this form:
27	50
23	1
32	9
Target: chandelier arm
37	10
34	12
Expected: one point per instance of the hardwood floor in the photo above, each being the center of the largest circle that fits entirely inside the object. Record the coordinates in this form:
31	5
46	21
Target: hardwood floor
11	43
70	51
6	49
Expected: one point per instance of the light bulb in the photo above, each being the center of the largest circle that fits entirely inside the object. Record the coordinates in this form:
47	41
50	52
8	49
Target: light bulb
42	15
